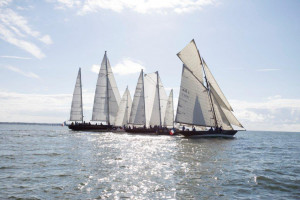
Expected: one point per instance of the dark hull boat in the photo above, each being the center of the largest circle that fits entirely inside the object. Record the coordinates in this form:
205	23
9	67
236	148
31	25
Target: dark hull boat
208	134
92	127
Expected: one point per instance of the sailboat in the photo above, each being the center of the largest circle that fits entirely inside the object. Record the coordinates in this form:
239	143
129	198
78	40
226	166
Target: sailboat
106	101
201	102
149	105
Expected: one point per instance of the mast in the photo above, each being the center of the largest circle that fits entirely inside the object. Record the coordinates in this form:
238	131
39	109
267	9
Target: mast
157	86
209	92
172	109
144	96
107	91
127	106
81	96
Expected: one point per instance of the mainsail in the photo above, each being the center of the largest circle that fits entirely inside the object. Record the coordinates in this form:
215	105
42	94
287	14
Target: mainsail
156	100
76	113
201	104
107	96
194	107
169	115
137	114
124	109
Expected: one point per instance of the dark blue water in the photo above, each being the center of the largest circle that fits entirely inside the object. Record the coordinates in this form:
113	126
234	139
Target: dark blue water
48	162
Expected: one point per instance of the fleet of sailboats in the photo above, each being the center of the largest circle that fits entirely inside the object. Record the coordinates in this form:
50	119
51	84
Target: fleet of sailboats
202	106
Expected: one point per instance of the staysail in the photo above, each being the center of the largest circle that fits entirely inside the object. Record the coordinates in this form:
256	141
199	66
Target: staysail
169	115
76	113
107	96
124	109
137	114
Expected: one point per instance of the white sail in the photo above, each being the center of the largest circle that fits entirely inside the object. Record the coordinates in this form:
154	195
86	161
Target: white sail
156	99
220	116
190	56
76	113
107	96
151	99
137	114
228	113
194	106
213	83
123	114
169	115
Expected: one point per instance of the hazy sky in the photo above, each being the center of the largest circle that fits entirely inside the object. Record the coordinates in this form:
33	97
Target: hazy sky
251	47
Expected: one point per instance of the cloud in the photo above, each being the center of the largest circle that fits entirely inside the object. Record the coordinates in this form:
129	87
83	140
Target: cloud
16	30
19	71
16	57
267	70
53	108
125	67
274	114
139	6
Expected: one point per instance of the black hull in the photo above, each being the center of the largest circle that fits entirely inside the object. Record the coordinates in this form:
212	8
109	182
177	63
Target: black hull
92	127
208	134
147	131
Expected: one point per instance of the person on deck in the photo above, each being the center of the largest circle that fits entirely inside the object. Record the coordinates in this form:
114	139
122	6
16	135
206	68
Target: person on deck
183	128
194	129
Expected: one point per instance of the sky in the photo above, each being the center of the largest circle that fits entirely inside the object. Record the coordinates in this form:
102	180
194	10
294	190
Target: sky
251	47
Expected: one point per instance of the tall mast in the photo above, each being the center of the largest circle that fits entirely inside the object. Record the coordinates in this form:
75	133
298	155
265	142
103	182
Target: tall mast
157	86
107	92
172	109
144	97
81	96
127	106
209	92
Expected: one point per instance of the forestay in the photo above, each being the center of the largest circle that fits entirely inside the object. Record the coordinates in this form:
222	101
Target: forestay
137	114
193	105
124	109
107	96
76	113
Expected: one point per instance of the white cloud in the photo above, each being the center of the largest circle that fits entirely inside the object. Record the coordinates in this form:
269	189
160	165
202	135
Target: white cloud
46	39
274	113
16	57
95	69
125	67
15	29
139	6
267	70
53	108
19	71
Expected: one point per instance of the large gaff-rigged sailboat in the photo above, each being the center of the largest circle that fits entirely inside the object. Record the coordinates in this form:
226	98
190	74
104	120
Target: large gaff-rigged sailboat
201	102
106	101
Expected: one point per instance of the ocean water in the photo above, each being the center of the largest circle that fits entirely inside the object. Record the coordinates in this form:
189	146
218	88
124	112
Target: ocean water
51	162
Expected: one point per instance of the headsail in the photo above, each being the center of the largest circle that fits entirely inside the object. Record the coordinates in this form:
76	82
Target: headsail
76	113
137	114
124	109
107	96
169	116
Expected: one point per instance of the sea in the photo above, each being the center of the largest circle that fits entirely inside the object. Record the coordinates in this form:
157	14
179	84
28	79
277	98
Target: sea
52	162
